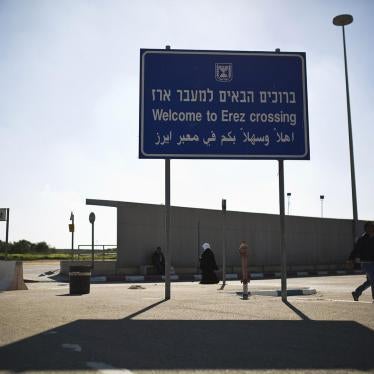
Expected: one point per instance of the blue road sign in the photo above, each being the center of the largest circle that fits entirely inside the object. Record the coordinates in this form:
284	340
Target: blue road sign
223	105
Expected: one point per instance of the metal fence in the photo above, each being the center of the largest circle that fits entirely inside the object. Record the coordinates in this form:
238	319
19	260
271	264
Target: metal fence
102	252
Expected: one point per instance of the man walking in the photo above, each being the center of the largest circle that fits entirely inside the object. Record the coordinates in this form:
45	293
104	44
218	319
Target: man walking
364	251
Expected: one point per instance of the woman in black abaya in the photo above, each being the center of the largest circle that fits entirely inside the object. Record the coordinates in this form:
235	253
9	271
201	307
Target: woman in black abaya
208	265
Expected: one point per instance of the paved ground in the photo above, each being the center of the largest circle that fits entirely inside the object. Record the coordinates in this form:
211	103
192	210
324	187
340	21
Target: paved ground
41	270
116	328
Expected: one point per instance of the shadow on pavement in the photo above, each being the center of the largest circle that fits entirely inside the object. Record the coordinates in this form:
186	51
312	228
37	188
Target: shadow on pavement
297	311
149	307
196	344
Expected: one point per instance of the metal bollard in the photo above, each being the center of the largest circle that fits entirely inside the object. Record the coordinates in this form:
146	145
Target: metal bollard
243	251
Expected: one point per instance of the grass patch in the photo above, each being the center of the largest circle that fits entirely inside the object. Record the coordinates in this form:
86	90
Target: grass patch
55	256
97	257
35	256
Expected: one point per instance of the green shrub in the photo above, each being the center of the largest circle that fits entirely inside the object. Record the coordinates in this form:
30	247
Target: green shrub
24	246
41	247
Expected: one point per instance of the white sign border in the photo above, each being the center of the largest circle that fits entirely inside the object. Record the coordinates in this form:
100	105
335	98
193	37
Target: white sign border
225	156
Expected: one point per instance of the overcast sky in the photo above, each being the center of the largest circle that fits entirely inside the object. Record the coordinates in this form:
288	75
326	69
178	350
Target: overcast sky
69	88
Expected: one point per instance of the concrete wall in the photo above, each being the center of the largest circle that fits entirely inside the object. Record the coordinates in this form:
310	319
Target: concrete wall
310	241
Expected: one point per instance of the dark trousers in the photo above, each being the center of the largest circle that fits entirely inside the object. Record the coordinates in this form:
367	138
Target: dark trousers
368	268
160	268
364	286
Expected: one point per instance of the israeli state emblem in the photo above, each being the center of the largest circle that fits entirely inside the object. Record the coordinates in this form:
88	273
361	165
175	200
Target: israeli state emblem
223	72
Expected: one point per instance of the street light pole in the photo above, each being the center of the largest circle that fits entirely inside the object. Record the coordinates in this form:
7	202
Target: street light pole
322	197
92	219
72	229
344	20
289	202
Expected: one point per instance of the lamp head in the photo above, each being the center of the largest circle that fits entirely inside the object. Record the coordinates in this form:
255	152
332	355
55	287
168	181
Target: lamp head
342	20
92	217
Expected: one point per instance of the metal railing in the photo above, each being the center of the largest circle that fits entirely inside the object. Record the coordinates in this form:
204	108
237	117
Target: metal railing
103	252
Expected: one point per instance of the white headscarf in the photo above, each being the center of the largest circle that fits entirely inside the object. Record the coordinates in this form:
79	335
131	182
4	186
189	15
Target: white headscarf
205	246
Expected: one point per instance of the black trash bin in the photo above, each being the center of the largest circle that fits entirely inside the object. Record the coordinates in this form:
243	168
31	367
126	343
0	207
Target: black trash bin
79	279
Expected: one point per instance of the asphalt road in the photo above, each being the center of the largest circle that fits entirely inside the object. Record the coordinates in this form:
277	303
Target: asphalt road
40	270
201	329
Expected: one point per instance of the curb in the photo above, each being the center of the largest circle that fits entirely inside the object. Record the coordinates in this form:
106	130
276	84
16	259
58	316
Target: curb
230	276
290	292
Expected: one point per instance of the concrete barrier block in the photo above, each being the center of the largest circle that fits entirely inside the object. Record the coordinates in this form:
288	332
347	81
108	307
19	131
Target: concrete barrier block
11	276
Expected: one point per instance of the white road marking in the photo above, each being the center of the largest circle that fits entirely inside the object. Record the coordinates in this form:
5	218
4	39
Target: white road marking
103	368
73	347
349	301
335	300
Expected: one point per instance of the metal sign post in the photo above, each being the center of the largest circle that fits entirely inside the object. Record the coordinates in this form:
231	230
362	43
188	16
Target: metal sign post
92	221
282	232
72	229
4	216
167	230
223	243
198	248
7	233
283	255
167	225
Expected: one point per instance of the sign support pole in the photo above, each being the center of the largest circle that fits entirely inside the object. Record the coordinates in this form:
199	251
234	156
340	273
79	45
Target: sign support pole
92	218
7	233
167	226
167	229
93	246
282	227
72	236
223	243
282	232
198	246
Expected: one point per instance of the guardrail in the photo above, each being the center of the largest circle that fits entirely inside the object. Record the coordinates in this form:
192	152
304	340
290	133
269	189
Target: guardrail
101	252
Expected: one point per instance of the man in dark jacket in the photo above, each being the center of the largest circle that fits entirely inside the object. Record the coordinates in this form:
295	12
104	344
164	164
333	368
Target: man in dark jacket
158	261
208	265
364	251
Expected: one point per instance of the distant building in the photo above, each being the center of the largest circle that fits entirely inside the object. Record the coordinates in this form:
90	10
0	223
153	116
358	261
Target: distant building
312	243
